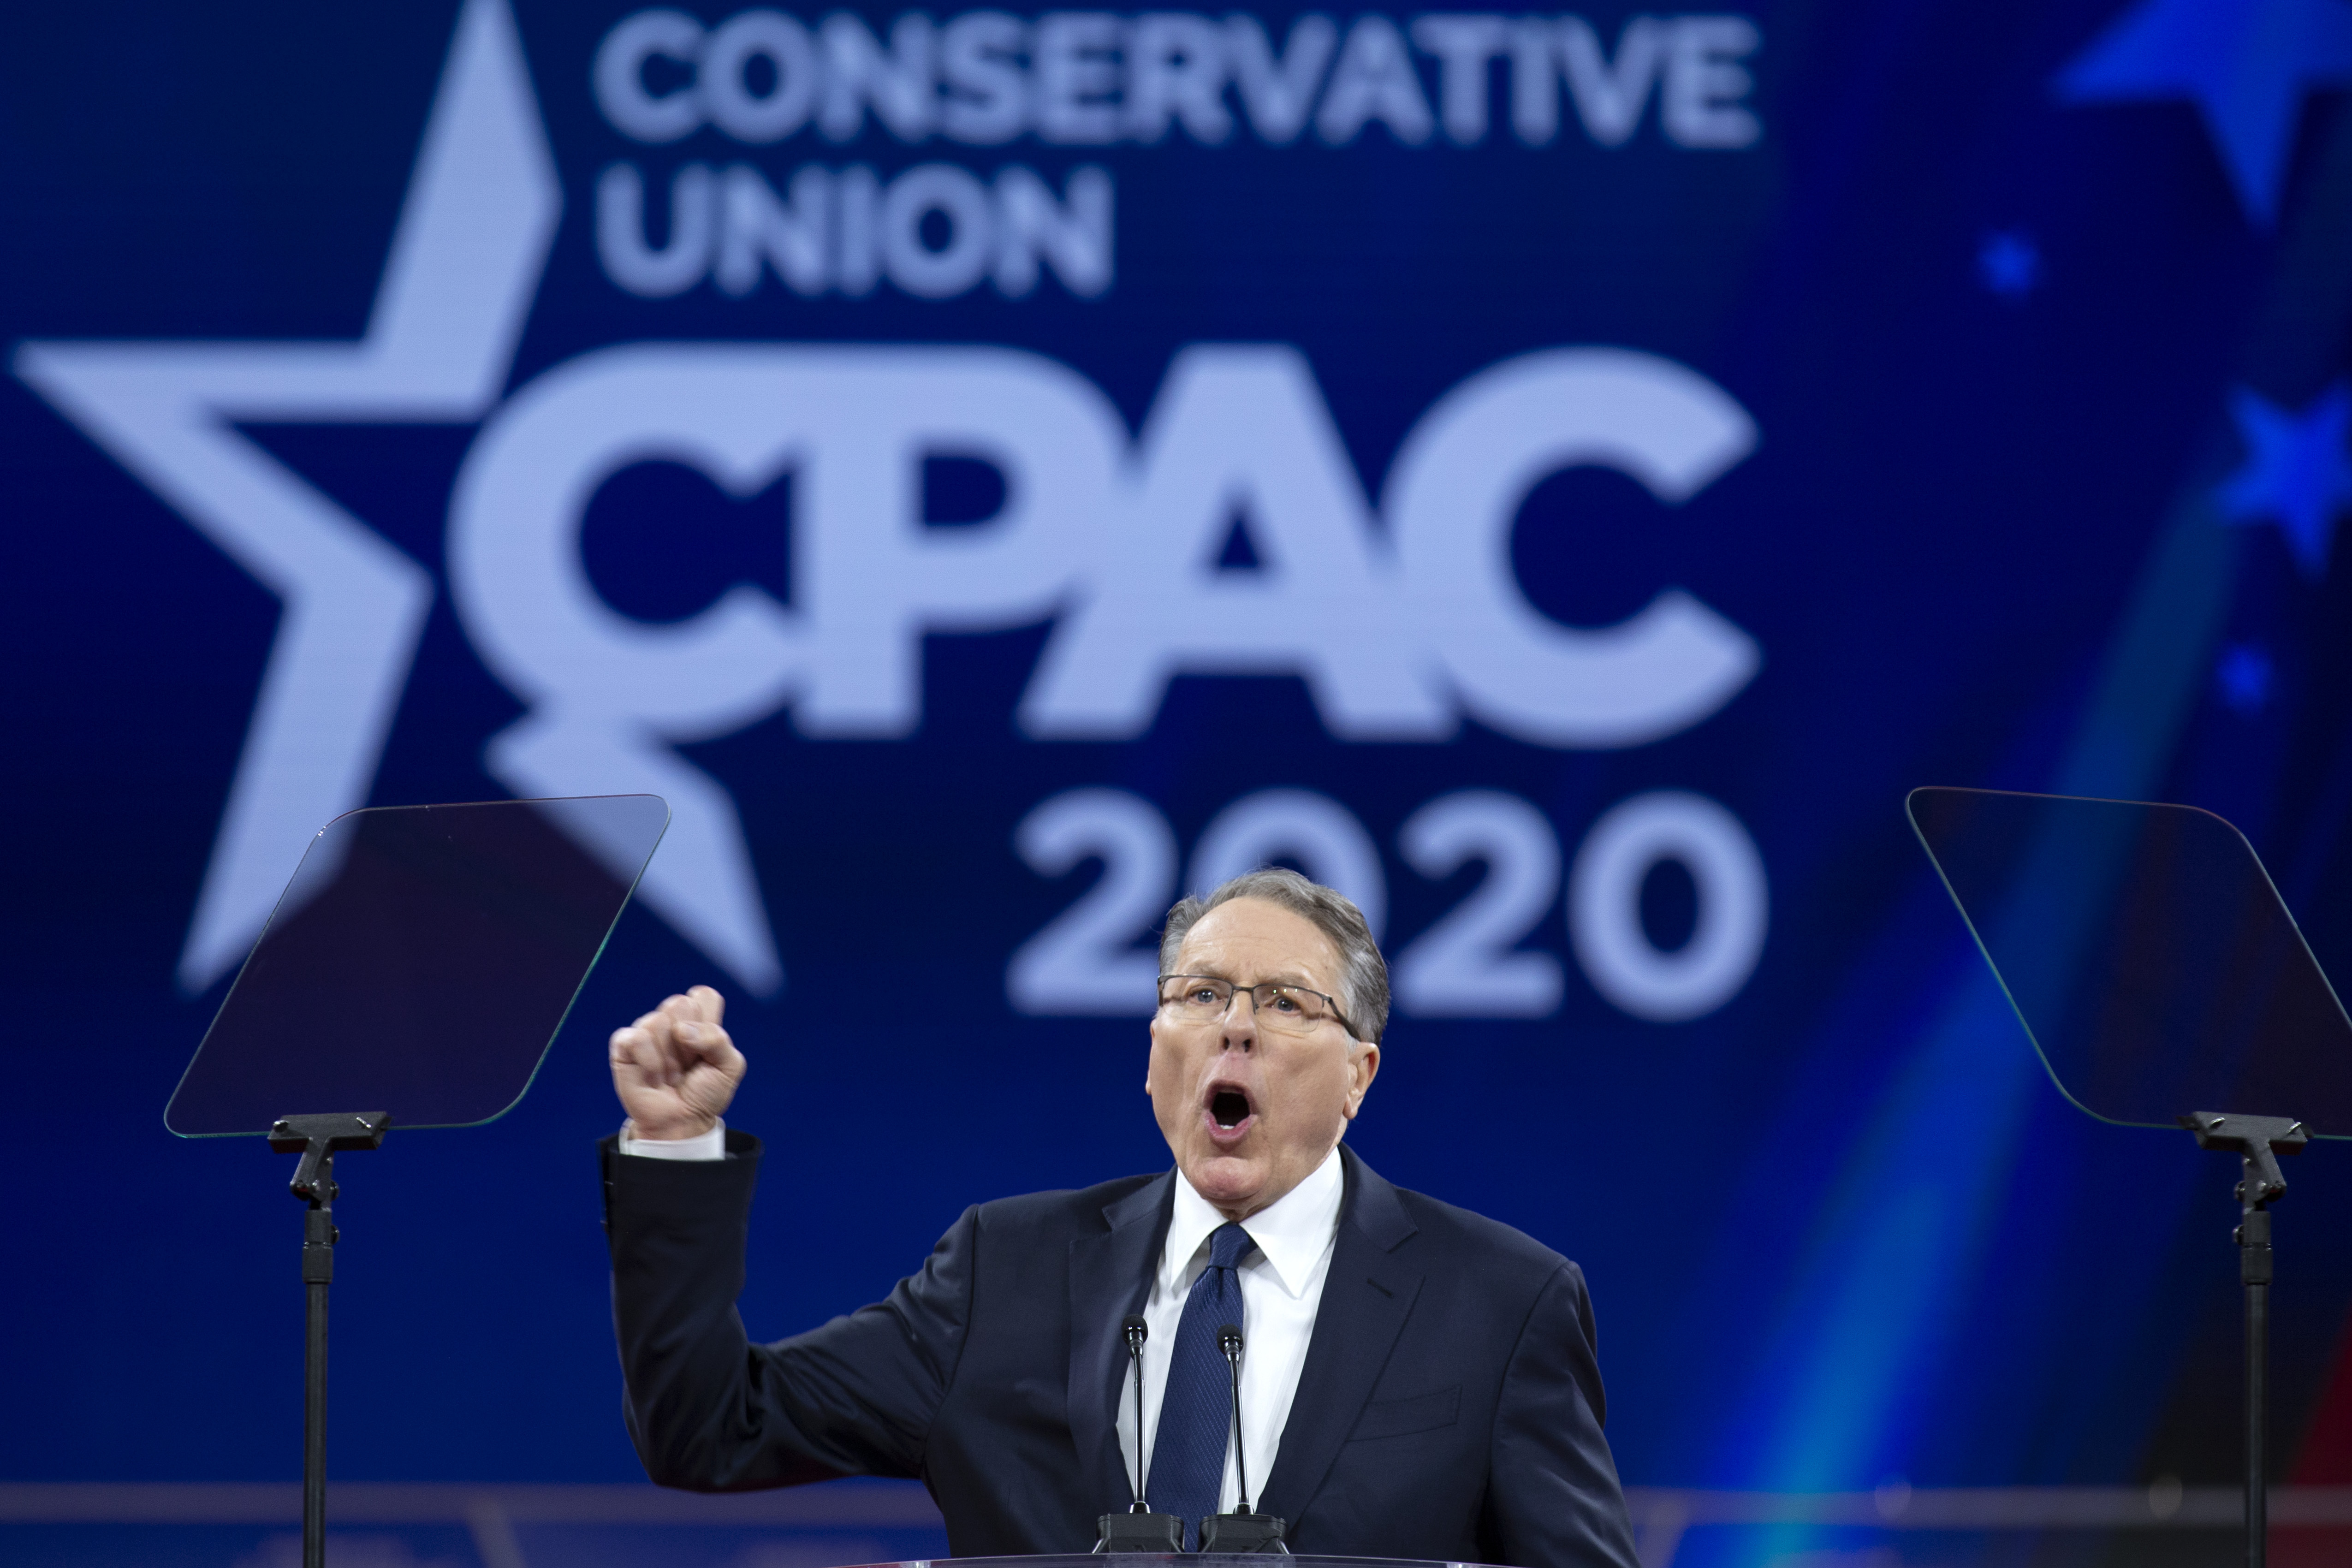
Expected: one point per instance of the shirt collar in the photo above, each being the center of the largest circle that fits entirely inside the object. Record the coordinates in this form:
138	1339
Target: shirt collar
1292	1231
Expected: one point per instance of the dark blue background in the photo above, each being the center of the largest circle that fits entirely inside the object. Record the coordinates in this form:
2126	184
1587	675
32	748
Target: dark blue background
1839	1230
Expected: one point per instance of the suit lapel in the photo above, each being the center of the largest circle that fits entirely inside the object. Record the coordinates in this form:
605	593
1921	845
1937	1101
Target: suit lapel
1110	1276
1367	1296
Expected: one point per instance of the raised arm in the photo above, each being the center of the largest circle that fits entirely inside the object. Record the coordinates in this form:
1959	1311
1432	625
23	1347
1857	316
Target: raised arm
709	1410
676	1068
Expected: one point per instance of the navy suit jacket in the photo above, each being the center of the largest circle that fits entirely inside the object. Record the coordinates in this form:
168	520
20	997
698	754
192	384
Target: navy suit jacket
1450	1406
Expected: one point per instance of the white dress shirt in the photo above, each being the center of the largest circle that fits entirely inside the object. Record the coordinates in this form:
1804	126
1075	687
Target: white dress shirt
710	1145
1282	1286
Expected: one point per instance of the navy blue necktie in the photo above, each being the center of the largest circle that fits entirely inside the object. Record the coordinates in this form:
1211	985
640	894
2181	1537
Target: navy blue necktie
1196	1412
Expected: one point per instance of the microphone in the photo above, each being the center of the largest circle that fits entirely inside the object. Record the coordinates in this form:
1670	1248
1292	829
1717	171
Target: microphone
1139	1529
1241	1530
1229	1340
1136	1330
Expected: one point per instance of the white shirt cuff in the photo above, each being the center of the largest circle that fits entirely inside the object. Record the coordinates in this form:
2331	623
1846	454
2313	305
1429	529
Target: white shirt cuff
710	1145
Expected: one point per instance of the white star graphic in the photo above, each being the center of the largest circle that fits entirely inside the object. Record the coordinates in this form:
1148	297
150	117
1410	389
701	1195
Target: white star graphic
466	259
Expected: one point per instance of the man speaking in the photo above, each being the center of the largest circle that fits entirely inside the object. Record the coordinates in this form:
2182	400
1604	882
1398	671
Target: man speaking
1415	1380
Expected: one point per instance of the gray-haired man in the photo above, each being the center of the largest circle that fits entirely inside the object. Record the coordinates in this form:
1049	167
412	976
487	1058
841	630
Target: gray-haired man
1417	1381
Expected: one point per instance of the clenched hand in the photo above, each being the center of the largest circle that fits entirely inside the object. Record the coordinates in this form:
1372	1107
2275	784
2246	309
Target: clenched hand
675	1069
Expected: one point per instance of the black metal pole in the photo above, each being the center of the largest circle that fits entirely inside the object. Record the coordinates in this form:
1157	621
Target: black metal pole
317	1139
318	1274
2258	1141
2254	1269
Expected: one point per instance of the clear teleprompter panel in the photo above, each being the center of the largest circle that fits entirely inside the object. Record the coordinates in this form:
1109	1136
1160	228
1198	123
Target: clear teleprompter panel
419	962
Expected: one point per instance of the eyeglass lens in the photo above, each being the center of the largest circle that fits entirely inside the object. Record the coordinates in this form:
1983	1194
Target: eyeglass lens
1204	999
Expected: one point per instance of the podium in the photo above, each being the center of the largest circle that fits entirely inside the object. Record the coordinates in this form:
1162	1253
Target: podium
1222	1559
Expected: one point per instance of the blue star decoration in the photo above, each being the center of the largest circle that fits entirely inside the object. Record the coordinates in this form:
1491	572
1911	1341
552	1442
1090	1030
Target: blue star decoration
2246	64
2010	264
2244	675
2297	474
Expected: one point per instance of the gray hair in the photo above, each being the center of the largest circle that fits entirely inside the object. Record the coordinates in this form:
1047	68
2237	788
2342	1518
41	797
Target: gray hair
1363	973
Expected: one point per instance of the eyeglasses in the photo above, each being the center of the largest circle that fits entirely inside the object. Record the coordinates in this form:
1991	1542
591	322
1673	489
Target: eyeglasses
1281	1008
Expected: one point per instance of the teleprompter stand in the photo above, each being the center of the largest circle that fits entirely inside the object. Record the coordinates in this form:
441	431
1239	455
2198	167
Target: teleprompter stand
319	1138
422	959
2258	1141
2155	966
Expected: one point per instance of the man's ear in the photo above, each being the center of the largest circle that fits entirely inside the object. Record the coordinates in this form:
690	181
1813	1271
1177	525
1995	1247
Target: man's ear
1363	1070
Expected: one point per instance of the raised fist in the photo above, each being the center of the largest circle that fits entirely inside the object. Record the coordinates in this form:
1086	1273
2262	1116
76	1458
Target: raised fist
675	1069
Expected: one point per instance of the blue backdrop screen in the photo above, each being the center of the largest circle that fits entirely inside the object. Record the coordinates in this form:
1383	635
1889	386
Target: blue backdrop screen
1560	477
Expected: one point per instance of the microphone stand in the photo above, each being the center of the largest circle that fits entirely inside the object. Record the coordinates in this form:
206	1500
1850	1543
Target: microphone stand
1139	1529
1240	1530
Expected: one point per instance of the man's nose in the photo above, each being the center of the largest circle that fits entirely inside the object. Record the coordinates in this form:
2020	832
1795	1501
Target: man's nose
1240	1027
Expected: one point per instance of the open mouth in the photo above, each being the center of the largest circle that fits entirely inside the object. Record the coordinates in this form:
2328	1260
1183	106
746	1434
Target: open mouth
1230	1113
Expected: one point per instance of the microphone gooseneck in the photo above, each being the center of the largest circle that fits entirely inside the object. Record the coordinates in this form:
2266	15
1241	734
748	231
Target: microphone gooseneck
1136	1330
1229	1340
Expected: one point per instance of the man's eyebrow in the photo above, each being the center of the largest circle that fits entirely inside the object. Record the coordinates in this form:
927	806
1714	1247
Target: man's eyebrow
1270	980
